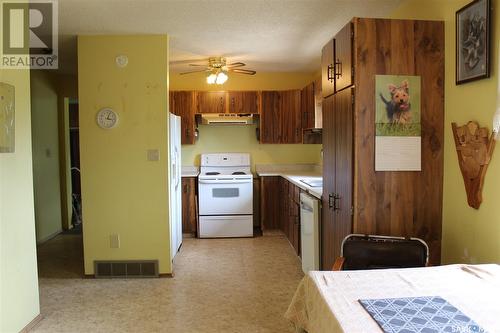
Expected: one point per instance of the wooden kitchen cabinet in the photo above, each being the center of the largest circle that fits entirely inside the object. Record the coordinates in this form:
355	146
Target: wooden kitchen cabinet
337	174
243	102
307	106
280	208
270	203
189	206
270	117
182	103
336	62
356	198
211	102
290	116
311	104
294	218
327	63
280	120
343	69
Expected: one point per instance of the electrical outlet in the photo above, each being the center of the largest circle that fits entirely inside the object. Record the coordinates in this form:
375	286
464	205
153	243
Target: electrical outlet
114	241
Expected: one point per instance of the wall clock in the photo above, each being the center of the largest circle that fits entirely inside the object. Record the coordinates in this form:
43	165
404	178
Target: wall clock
107	118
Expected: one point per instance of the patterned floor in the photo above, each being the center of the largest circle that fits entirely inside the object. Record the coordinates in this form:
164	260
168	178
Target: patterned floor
224	285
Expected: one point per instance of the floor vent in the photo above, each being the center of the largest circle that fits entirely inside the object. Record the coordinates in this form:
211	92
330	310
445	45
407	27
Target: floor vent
126	269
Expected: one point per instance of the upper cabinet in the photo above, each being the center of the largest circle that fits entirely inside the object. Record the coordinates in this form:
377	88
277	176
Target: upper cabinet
336	62
227	102
307	106
343	66
291	116
327	69
283	114
281	117
243	102
182	103
270	118
211	102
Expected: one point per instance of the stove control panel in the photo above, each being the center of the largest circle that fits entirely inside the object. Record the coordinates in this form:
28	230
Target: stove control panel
225	160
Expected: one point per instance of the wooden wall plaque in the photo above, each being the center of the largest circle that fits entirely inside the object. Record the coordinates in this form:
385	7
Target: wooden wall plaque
474	149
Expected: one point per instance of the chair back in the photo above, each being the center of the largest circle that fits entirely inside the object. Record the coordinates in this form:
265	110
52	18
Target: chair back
378	252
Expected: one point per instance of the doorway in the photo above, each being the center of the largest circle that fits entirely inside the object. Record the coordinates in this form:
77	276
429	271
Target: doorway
74	166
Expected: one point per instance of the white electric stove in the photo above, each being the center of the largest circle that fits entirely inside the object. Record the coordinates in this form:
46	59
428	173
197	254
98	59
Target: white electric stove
225	194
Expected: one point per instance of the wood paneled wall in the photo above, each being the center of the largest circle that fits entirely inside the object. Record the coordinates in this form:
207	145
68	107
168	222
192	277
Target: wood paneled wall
400	203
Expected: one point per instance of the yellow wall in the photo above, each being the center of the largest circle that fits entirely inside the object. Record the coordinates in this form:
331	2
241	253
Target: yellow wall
44	126
18	268
469	235
122	192
243	138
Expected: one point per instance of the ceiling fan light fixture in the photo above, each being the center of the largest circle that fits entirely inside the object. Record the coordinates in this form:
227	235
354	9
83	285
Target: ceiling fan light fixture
211	78
221	78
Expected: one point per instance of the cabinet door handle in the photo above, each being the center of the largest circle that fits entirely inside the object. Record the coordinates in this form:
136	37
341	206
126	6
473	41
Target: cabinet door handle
333	201
329	72
336	199
338	69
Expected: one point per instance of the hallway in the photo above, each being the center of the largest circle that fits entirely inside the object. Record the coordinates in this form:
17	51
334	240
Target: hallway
220	285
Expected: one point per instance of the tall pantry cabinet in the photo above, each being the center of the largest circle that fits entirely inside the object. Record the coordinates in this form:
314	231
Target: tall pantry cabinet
356	198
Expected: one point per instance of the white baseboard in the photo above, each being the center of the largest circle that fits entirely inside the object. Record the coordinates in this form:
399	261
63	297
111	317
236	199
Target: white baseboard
49	237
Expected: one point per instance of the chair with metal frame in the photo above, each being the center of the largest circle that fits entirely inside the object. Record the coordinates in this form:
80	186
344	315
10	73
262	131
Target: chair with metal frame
361	252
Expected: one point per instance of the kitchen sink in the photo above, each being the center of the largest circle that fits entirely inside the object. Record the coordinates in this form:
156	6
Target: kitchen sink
314	182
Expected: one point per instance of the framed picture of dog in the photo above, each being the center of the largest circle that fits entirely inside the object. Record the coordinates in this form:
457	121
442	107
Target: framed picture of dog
397	123
473	41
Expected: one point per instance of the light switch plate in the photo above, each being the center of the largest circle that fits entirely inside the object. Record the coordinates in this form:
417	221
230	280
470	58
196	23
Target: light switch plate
153	155
114	241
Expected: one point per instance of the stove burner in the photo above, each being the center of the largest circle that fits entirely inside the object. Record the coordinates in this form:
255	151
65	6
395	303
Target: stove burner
238	173
212	173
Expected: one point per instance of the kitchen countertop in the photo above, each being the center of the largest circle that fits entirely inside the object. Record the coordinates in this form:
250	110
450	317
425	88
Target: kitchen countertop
189	171
294	173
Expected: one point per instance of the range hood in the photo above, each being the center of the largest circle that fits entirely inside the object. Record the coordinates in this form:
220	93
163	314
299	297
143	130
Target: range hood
226	119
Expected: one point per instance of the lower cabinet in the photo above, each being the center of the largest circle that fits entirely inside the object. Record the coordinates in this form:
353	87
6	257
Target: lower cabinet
280	208
189	206
270	203
291	214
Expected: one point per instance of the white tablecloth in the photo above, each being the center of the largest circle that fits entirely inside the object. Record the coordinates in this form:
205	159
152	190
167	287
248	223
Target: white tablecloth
327	302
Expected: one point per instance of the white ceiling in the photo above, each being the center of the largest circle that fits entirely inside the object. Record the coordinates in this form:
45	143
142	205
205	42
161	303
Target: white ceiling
269	35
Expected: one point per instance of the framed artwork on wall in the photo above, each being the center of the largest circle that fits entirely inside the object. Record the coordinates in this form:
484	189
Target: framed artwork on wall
473	41
7	118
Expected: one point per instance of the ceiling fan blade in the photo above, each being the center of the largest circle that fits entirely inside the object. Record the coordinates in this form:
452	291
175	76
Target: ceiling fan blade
243	71
197	65
236	64
199	71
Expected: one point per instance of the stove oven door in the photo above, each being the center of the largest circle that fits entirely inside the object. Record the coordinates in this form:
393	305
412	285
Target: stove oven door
225	196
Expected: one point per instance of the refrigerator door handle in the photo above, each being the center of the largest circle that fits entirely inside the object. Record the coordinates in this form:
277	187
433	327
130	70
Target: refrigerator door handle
177	167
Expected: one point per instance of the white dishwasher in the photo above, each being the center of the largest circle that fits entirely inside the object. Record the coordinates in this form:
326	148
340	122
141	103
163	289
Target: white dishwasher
309	232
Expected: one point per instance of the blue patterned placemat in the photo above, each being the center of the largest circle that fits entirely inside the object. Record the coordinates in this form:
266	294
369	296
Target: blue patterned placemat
430	314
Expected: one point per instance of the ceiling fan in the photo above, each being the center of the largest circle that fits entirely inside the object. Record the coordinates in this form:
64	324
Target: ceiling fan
218	70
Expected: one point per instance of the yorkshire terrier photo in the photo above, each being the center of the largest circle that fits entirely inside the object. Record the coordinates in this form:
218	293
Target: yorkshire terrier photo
398	107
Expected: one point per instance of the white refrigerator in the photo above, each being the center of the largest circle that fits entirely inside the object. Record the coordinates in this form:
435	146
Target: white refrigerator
175	207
